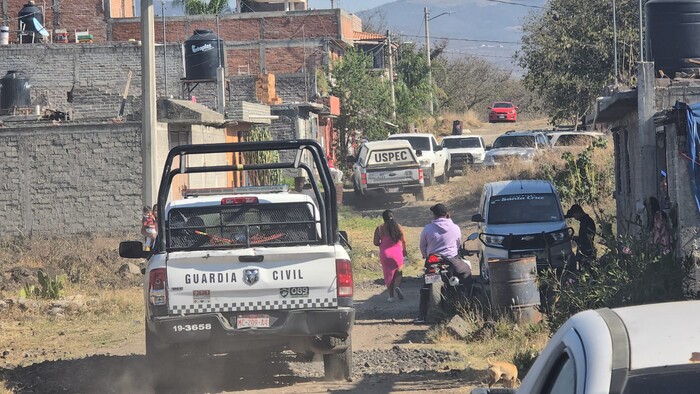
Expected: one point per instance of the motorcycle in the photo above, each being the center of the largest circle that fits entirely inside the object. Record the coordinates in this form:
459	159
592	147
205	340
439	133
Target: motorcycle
446	289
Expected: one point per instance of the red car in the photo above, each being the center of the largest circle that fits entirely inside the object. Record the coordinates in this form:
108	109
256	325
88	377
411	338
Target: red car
503	111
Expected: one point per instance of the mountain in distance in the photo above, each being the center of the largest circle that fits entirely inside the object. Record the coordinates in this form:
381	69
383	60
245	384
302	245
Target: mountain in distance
499	25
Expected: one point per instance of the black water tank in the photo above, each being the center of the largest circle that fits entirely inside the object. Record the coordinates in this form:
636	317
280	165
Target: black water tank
673	34
202	52
14	91
25	21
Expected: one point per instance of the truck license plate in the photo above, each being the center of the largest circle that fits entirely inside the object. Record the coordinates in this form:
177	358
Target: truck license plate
501	116
432	278
392	189
253	321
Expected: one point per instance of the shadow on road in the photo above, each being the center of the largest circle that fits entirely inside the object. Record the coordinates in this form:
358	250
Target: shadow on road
415	381
130	374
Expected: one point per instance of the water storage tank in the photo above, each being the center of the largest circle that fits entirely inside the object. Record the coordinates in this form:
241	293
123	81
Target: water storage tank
29	20
202	53
673	34
14	91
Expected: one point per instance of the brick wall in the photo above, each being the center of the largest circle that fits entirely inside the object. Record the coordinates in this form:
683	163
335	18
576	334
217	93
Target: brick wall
96	73
70	179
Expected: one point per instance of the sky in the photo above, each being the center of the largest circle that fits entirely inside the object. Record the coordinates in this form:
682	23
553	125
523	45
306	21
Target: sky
349	5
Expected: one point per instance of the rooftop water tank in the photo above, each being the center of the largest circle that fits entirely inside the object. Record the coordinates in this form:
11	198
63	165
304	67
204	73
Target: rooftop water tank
14	91
673	35
29	21
203	52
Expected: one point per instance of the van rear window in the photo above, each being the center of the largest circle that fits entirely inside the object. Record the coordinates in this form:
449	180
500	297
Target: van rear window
241	226
524	208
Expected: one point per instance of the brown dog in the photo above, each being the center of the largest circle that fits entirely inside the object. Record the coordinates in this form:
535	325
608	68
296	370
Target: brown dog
501	370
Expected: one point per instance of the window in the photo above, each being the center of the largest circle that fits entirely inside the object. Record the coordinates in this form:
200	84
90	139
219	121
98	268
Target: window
524	208
362	156
417	143
455	143
515	141
562	378
435	144
502	105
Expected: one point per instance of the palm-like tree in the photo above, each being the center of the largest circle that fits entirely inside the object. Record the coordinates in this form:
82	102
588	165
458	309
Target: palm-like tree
199	7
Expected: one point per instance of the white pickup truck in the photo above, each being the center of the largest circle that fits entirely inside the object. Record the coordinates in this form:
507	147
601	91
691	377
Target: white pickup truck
248	270
387	168
433	158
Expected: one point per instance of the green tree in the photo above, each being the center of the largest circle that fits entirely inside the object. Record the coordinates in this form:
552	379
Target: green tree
412	86
202	7
568	53
365	98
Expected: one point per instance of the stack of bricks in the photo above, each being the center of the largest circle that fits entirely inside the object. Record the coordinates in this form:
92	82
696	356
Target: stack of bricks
265	89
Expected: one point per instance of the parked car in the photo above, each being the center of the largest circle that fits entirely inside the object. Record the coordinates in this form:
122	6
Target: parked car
434	160
641	349
387	167
521	218
516	145
503	111
573	139
464	150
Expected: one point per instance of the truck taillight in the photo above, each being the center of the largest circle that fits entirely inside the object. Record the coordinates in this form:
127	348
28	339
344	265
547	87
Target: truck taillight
420	174
343	270
157	286
363	179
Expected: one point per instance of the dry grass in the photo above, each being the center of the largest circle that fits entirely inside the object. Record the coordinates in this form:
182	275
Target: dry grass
441	124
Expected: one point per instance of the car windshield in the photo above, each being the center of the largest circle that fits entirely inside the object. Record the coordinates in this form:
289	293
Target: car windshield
514	141
502	105
418	143
574	140
524	208
455	143
673	379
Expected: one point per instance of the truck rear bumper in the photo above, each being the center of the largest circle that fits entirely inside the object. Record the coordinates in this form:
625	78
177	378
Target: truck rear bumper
393	189
284	326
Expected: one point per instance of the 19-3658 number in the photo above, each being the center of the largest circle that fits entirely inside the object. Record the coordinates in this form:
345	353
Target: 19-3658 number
192	327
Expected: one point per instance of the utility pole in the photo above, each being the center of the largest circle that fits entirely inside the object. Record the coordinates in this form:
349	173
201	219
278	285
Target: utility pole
427	57
641	33
148	103
391	75
617	75
165	51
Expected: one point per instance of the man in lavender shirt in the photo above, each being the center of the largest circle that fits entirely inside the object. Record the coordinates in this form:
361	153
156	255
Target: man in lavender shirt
441	237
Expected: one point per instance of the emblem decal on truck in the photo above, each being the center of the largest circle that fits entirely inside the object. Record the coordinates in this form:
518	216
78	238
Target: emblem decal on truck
251	276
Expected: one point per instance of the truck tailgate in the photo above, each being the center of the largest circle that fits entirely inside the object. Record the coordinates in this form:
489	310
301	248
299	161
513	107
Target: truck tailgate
392	175
254	279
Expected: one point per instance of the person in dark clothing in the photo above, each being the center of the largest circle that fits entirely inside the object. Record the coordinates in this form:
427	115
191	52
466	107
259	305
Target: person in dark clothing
585	236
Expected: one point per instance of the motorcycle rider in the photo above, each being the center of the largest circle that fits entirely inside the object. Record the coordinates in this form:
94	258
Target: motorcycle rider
441	237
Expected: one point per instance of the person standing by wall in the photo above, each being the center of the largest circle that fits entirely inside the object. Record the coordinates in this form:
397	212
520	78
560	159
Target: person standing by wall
391	240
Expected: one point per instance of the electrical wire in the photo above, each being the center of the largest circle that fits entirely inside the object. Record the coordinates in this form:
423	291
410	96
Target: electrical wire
464	39
518	4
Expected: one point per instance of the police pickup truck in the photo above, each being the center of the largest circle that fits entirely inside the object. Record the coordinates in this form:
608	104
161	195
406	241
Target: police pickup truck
387	167
432	157
248	270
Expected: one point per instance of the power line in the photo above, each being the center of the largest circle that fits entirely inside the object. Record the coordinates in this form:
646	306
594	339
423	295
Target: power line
465	39
518	4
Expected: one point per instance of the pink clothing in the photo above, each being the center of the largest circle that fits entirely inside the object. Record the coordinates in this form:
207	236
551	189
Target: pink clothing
391	257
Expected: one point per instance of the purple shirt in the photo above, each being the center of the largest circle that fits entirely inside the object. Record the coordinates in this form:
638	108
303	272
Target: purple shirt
442	236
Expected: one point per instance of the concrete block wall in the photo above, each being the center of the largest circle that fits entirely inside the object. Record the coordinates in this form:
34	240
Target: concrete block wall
70	179
296	87
91	71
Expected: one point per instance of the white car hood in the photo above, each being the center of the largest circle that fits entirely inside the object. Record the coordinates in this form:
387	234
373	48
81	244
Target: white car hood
466	150
510	151
524	228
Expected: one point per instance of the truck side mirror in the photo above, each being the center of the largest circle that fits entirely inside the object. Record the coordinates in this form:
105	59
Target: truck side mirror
419	153
132	250
438	148
477	218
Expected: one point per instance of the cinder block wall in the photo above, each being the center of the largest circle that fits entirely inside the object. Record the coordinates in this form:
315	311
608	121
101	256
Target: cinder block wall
70	179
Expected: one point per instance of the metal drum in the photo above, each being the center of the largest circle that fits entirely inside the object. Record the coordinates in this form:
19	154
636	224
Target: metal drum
514	288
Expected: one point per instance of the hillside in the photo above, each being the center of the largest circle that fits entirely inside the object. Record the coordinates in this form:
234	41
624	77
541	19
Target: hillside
470	19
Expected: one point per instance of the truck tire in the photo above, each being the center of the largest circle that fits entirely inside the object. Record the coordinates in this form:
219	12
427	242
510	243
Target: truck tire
420	196
435	304
445	178
430	179
337	366
483	271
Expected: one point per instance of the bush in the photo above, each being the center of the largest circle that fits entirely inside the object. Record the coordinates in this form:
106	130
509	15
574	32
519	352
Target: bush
632	272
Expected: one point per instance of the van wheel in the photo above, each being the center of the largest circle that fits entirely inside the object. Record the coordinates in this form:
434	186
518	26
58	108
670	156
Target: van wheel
337	366
420	196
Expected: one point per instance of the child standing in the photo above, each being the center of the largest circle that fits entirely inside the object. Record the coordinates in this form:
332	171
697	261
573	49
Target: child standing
148	228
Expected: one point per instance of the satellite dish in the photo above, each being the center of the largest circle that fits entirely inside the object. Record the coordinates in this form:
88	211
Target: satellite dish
39	28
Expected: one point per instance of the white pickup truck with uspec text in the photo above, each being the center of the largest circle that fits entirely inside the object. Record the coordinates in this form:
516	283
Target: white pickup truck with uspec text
434	160
250	270
387	168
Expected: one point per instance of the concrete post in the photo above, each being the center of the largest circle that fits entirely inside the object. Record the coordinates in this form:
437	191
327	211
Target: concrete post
391	76
221	90
645	178
149	187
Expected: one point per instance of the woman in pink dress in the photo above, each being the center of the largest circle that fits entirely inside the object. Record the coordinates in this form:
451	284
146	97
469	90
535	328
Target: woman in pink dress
392	248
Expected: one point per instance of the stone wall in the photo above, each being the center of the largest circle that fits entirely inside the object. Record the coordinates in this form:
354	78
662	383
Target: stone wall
70	179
